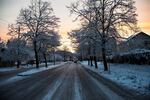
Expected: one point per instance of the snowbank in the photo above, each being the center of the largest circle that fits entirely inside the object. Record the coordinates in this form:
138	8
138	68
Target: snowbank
27	74
5	69
135	77
36	70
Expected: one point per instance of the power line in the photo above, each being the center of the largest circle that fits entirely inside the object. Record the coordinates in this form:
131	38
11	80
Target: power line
3	21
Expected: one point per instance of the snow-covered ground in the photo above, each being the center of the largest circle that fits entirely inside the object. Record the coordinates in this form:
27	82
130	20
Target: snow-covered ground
35	70
27	73
135	77
5	69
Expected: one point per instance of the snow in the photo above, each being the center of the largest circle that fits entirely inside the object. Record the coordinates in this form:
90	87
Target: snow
109	93
5	69
53	88
77	85
36	70
135	77
27	74
32	71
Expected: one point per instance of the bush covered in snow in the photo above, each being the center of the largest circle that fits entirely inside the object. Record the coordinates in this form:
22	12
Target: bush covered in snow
133	57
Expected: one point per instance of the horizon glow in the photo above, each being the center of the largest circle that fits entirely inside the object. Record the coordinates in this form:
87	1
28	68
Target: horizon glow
10	9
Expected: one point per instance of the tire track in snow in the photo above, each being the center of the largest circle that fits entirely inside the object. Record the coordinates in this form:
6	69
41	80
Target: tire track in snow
109	93
56	85
92	89
32	87
77	87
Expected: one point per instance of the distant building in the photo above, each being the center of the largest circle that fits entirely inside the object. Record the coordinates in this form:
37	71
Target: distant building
137	41
111	46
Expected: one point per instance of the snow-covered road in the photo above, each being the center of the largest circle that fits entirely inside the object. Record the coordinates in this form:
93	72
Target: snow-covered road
69	82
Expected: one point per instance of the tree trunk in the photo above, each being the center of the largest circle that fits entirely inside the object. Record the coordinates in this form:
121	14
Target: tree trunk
64	57
54	58
104	37
45	58
81	56
91	59
95	61
36	55
18	64
104	58
94	58
88	61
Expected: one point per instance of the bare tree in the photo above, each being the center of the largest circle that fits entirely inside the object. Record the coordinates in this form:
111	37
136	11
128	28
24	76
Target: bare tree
65	51
85	45
37	19
2	45
107	18
16	51
47	43
2	49
16	43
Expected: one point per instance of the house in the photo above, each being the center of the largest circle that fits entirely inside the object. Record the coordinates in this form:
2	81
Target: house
138	41
135	50
111	46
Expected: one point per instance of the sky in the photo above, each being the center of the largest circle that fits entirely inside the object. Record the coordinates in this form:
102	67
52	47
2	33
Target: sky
9	10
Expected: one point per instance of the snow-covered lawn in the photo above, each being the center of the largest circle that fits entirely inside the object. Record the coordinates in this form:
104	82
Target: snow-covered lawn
6	69
135	77
35	70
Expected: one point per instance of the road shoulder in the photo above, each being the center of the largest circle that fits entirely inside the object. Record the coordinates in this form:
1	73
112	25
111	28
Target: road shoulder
120	90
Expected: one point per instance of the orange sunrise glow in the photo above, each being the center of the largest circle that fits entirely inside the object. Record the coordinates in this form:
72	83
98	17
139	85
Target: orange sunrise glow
74	49
66	21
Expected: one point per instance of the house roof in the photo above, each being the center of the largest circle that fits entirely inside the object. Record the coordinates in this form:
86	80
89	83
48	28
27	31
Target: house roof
137	34
133	36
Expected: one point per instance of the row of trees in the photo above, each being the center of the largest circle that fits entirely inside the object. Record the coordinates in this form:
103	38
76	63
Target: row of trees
33	34
100	21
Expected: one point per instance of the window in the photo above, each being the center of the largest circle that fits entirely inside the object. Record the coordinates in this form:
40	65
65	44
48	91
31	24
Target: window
147	43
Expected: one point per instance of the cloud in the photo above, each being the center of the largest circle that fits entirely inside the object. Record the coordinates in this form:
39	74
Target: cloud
147	1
